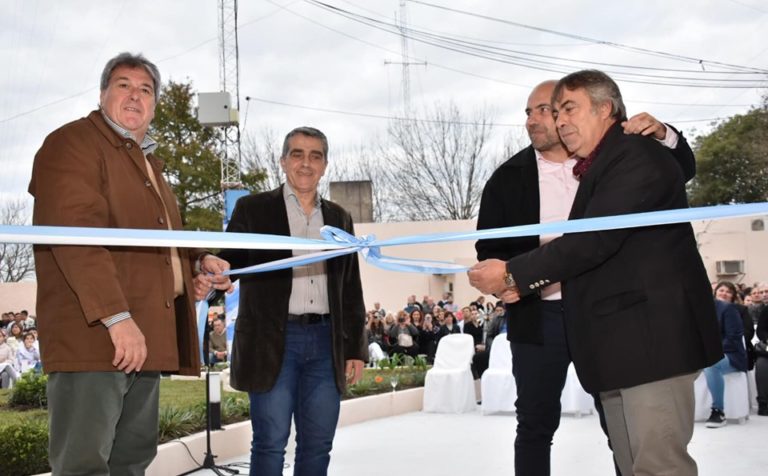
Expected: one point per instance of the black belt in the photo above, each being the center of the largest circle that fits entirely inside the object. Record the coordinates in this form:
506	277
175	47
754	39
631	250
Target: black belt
308	318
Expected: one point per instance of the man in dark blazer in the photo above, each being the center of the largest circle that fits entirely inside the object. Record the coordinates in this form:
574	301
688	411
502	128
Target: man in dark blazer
537	185
299	335
640	318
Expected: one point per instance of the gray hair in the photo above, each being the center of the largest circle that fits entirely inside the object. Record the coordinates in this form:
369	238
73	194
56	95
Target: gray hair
132	61
309	132
599	87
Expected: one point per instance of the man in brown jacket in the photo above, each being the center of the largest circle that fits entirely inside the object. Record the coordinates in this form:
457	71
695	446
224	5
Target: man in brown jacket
111	318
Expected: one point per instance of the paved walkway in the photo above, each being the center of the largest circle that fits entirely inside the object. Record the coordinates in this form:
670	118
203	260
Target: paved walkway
472	444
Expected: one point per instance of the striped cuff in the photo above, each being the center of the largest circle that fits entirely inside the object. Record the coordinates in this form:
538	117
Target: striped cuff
114	319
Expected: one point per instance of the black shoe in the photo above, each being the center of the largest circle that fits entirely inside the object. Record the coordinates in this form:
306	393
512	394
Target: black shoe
716	419
762	410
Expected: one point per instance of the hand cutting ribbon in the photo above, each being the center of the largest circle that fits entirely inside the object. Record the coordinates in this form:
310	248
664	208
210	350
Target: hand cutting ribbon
337	242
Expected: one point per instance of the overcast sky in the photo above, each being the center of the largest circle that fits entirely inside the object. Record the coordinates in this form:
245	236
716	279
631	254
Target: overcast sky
294	52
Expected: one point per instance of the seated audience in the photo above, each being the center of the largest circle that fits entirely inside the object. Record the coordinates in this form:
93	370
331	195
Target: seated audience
7	360
428	337
15	336
217	342
403	336
761	366
27	355
735	359
449	325
374	331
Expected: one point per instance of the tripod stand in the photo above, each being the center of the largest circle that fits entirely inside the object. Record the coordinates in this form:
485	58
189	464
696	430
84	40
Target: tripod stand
208	462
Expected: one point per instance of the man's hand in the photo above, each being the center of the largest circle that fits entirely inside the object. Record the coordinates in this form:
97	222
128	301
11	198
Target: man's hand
210	277
645	124
488	276
130	348
510	295
354	371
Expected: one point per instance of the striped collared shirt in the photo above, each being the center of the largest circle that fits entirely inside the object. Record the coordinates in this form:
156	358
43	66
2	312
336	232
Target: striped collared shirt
309	293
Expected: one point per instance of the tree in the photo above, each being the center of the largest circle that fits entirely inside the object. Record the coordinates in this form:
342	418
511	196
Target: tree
732	161
437	166
261	154
16	260
191	153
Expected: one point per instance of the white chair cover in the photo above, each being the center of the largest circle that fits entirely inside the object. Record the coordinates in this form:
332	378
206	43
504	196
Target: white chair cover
448	385
735	397
574	398
375	353
498	388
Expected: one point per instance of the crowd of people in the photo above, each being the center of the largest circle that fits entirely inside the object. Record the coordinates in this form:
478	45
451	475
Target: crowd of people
742	313
19	348
417	328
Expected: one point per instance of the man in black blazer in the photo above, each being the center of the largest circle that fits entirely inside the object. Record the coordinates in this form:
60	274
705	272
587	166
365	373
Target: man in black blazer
537	185
640	318
299	335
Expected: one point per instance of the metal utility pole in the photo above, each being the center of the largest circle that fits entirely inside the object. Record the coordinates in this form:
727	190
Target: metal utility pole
402	22
229	79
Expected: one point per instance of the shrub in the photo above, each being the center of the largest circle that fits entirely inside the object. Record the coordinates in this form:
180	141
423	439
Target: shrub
29	391
24	448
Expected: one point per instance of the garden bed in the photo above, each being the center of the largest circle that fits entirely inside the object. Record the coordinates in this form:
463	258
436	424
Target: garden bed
24	427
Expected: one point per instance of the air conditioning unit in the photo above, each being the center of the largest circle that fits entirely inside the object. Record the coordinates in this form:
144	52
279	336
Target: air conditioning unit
730	267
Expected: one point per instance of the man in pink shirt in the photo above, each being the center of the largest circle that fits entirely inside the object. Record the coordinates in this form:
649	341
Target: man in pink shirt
537	185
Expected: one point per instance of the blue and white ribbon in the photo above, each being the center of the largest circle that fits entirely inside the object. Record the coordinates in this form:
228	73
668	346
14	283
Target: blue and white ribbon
337	242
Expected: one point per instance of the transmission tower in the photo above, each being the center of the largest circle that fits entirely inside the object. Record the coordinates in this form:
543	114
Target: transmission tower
229	79
405	62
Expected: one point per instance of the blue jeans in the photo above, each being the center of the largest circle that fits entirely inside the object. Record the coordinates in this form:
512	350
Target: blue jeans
305	391
715	381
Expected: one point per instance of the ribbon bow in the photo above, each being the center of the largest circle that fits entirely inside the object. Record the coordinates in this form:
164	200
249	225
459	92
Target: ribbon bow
366	245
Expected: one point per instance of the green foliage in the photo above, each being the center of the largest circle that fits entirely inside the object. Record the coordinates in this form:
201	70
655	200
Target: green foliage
420	362
24	448
376	381
732	161
392	362
30	391
234	408
191	153
176	422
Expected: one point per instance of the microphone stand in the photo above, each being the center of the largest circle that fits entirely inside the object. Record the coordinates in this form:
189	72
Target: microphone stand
208	462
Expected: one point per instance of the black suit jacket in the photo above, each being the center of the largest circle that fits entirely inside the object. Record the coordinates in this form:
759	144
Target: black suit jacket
638	302
511	198
259	344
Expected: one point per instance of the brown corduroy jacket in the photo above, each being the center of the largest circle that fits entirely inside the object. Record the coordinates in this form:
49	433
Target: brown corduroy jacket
87	175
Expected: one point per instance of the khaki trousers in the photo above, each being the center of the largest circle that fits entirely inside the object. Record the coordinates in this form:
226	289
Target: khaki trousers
102	423
650	426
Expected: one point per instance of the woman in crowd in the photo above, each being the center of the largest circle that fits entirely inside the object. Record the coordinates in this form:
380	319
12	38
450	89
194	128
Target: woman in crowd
474	327
735	359
7	359
15	335
428	337
374	331
27	356
417	318
449	325
403	336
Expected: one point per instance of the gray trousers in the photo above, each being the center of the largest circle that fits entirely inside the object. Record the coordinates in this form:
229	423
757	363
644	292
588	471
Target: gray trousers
102	423
650	426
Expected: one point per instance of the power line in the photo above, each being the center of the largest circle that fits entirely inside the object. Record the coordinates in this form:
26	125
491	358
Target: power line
412	119
379	116
674	56
512	57
471	74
